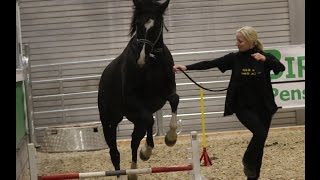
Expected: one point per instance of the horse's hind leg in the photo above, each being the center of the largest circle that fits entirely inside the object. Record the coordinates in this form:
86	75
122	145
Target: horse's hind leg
110	121
110	135
171	136
109	125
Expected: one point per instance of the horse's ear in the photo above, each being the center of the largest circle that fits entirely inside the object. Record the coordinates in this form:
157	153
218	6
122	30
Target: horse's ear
137	3
164	5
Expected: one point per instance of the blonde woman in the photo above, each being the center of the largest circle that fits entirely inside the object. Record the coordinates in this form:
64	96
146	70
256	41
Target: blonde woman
249	93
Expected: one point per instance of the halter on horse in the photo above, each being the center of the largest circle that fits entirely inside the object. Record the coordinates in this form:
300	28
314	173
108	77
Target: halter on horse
138	83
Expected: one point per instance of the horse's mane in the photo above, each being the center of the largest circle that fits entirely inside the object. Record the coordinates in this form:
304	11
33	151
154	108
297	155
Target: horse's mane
146	6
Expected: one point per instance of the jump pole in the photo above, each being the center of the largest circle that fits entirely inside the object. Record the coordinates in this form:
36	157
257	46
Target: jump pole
204	156
194	167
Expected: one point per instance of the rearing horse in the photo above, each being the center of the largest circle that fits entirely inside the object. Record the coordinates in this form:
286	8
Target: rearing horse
138	83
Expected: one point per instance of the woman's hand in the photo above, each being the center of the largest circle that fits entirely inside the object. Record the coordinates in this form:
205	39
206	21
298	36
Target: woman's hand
179	67
258	57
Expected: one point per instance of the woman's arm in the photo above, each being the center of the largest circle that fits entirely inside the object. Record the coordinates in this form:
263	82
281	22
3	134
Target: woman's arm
271	62
223	63
274	64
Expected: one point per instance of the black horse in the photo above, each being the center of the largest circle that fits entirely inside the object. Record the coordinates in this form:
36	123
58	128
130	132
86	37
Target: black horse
138	83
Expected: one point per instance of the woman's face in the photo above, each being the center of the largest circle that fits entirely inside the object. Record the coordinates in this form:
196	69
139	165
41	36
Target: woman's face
242	43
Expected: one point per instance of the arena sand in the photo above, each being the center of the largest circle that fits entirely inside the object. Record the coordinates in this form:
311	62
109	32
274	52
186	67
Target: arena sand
284	157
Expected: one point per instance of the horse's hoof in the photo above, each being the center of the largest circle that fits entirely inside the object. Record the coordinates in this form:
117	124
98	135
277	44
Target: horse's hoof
143	157
145	152
132	177
170	142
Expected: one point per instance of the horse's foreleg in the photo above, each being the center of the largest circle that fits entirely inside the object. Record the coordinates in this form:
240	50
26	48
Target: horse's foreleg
137	135
146	150
171	136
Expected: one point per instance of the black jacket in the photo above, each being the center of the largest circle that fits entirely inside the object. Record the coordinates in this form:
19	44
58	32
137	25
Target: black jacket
250	84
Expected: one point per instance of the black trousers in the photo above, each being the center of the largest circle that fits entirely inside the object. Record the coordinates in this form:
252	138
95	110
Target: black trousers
258	122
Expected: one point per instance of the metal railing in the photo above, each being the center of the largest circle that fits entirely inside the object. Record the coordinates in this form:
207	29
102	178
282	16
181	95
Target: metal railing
28	93
158	115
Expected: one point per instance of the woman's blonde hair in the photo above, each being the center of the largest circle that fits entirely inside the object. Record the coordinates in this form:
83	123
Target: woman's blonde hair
251	35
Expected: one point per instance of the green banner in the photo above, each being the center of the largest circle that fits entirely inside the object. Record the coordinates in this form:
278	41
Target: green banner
289	86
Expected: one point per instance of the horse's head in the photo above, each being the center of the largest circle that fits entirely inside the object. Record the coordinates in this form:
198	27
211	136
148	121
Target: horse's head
147	24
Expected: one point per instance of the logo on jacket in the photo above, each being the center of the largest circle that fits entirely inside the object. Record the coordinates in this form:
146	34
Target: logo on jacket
249	72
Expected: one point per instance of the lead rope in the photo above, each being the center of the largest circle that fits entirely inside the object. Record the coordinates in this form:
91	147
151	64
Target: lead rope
212	90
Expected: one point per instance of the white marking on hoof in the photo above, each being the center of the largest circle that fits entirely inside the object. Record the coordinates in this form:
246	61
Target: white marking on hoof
146	151
172	133
173	121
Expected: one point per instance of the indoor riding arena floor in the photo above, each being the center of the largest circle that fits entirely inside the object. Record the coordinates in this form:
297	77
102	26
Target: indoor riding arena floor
284	157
